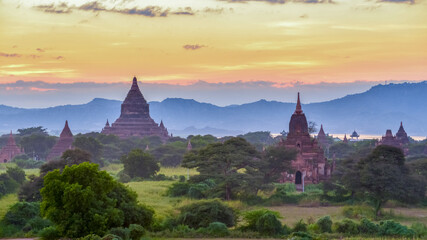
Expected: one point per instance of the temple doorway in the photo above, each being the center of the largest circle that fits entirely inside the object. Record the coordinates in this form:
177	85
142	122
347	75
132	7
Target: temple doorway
298	178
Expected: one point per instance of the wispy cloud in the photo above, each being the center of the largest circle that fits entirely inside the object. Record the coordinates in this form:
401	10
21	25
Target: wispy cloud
15	66
40	50
398	1
280	1
95	6
193	46
34	71
10	55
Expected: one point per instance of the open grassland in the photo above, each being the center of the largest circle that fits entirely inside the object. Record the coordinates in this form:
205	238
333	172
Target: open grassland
168	171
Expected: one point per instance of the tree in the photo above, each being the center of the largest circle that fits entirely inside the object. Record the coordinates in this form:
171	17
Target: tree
32	130
170	154
83	200
276	160
37	144
233	165
312	127
384	176
16	173
139	164
91	145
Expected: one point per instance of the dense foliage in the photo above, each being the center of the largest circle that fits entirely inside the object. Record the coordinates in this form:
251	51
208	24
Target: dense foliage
83	200
139	164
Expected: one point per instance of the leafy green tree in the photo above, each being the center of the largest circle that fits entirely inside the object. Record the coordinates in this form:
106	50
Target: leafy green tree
258	139
83	200
203	213
75	156
199	141
90	145
276	160
16	173
139	164
171	154
384	176
38	145
32	130
233	165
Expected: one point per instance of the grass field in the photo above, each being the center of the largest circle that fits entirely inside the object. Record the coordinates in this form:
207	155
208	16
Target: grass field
6	202
3	168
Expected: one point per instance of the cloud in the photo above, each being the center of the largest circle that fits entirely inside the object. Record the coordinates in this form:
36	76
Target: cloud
52	8
193	46
59	58
11	55
280	1
95	6
40	50
398	1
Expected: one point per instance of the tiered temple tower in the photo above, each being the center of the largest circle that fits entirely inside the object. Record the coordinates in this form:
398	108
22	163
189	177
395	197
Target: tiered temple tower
135	118
64	143
9	151
322	139
310	164
401	135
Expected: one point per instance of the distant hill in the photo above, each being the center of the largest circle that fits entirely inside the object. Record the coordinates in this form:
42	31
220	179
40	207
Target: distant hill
372	112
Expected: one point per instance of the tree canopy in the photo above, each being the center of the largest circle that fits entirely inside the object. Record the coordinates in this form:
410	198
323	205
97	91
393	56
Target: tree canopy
139	164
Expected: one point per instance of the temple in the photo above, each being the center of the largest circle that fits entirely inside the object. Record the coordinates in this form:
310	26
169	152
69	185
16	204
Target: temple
8	152
323	141
135	118
345	140
354	136
64	143
399	141
310	165
401	135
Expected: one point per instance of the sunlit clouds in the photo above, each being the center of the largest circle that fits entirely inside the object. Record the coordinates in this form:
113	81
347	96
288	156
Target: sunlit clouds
182	42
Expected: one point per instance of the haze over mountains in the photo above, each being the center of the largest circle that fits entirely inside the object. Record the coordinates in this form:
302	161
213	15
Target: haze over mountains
372	112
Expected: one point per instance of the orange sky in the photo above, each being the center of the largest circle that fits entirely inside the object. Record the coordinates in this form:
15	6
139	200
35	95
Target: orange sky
342	41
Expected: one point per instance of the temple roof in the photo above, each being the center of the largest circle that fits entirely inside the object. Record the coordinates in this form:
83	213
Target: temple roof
298	124
345	140
134	93
354	134
66	132
321	132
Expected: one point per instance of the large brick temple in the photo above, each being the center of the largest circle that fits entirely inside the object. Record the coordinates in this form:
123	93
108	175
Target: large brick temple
135	118
8	152
310	165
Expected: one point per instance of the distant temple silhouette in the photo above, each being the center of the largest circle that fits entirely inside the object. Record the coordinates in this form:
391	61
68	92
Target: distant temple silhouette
399	141
8	152
64	143
310	164
135	118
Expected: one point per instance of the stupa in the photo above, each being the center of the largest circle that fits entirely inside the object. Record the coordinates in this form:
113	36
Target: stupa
135	120
401	135
310	164
64	143
8	152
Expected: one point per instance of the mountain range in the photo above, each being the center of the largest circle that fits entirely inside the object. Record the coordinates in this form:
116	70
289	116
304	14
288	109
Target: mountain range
372	112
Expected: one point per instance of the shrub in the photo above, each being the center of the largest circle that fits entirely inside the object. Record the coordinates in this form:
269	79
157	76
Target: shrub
111	237
16	173
251	217
325	224
136	231
181	178
301	236
313	228
123	233
368	227
420	229
21	213
391	228
201	214
91	237
49	233
123	177
178	189
346	226
27	163
36	224
269	225
218	229
300	226
357	212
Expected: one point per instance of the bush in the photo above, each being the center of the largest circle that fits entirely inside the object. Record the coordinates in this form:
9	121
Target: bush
269	225
123	233
27	163
251	218
325	224
391	228
178	189
16	173
368	227
111	237
301	236
21	213
203	213
181	178
420	229
300	226
218	229
346	226
357	212
36	224
136	231
49	233
313	228
123	177
196	191
91	237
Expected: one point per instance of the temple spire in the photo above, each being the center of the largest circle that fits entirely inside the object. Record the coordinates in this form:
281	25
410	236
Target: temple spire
66	132
107	124
298	109
189	146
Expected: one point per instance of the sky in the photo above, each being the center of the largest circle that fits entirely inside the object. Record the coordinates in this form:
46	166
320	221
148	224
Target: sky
218	51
